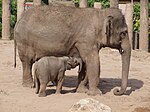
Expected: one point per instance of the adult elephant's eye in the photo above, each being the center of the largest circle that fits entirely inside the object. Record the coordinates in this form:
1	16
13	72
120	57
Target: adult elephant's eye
123	34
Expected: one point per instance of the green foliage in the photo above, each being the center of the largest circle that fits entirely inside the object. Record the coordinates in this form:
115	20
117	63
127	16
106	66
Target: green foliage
13	7
105	3
13	17
136	17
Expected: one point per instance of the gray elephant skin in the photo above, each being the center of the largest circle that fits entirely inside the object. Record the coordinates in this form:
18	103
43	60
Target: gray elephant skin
58	30
52	69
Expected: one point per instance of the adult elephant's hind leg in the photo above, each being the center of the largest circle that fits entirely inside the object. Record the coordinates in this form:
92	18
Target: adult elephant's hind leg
26	55
27	75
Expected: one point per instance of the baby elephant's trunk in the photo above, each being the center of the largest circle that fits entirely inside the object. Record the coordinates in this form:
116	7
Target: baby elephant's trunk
79	61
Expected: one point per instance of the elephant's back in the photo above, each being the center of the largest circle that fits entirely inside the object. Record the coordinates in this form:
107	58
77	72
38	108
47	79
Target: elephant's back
50	63
53	18
46	24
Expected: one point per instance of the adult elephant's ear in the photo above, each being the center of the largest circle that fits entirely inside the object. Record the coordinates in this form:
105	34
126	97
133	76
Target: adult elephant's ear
108	26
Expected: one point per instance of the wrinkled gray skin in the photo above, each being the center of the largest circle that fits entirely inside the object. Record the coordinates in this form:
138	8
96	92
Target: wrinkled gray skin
69	31
52	69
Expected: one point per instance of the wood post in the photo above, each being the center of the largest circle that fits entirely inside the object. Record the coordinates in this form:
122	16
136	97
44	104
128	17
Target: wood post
114	3
129	20
20	8
98	5
37	2
6	19
127	11
144	25
83	3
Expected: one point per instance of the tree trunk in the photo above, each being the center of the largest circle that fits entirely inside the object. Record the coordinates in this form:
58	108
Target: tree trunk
129	20
20	8
83	3
37	2
144	25
114	3
6	19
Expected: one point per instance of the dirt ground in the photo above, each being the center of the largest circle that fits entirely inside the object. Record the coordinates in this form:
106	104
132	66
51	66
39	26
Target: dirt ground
16	98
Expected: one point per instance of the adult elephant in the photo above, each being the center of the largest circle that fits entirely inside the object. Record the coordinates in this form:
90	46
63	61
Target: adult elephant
57	30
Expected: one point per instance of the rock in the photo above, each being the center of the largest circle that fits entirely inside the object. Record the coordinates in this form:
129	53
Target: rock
89	105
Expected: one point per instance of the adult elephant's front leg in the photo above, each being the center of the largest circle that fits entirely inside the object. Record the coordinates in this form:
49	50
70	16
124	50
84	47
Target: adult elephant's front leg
90	56
93	72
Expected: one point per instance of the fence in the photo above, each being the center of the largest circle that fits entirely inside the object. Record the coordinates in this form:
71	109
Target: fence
136	43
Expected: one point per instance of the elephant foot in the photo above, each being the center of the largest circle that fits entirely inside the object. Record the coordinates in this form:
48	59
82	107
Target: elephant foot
82	89
33	85
57	92
94	92
42	94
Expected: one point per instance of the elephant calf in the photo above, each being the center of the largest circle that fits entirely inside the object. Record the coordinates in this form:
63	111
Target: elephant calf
52	69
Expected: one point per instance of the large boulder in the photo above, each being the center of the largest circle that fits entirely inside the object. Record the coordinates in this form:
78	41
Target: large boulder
89	105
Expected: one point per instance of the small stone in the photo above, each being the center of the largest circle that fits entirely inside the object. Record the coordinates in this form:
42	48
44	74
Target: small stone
89	105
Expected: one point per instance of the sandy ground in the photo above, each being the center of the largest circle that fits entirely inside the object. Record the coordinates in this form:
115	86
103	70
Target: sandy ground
16	98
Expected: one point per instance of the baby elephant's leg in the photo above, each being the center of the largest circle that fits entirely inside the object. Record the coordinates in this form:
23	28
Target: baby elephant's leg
37	85
59	82
42	92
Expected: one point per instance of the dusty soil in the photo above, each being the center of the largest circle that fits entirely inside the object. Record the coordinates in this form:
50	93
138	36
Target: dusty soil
16	98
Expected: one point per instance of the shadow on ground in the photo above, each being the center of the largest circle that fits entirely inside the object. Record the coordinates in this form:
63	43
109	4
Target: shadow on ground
106	85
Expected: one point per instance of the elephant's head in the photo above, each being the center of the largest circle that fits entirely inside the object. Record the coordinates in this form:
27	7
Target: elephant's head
72	62
116	36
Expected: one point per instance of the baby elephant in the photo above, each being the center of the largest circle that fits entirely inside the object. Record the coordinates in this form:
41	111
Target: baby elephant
52	69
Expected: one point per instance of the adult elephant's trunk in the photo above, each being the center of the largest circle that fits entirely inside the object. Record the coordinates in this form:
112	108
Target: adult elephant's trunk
125	54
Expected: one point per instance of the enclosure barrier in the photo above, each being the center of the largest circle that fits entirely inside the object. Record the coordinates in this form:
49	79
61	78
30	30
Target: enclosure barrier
136	43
